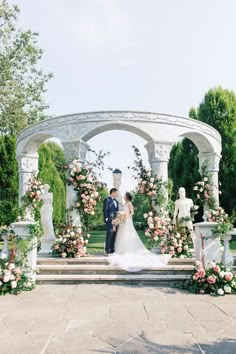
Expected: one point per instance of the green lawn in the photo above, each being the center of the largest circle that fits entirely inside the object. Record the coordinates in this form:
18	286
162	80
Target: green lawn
97	239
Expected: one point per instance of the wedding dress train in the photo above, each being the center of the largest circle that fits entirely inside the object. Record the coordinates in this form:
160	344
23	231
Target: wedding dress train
130	253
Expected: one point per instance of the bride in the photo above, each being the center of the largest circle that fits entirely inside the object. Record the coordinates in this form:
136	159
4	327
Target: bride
130	253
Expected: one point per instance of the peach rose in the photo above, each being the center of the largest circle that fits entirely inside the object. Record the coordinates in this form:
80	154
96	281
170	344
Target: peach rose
211	279
228	276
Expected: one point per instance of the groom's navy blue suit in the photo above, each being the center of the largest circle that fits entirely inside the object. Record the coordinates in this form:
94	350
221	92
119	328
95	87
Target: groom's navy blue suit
110	212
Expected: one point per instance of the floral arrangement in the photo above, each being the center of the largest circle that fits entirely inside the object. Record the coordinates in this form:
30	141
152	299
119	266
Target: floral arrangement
12	279
203	194
86	185
158	228
178	242
215	279
71	242
147	183
221	217
33	193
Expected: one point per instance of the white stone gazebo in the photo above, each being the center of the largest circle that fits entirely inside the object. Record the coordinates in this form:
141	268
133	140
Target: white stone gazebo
160	131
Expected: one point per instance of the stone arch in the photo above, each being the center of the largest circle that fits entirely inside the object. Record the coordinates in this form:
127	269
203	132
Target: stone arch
116	126
160	131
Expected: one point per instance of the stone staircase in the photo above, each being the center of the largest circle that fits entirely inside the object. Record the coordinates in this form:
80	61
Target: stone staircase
95	269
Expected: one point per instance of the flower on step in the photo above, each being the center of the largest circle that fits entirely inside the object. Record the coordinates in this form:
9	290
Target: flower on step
70	241
215	279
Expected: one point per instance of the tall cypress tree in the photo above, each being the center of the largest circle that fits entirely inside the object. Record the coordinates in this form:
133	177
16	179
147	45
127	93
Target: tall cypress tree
51	161
8	180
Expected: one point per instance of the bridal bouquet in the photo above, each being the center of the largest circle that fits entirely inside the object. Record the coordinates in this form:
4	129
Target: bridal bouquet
119	219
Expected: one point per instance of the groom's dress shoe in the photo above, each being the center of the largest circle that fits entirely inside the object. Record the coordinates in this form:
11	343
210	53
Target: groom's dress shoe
106	254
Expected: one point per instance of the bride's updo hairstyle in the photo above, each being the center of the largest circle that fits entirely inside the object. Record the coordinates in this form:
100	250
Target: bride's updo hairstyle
128	196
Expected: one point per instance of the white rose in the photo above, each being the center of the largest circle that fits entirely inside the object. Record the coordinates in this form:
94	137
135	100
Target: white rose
182	256
13	284
151	226
12	277
220	292
6	278
72	233
227	289
205	179
11	266
222	274
28	284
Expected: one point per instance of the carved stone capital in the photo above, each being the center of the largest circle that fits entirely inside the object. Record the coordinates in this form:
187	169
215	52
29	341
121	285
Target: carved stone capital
27	163
212	161
158	151
75	150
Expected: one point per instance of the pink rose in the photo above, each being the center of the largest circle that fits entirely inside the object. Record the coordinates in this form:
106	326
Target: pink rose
202	291
196	276
211	279
179	249
228	276
216	269
201	272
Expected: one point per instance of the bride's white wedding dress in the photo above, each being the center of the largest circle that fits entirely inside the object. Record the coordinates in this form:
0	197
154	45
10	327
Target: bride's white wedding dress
130	253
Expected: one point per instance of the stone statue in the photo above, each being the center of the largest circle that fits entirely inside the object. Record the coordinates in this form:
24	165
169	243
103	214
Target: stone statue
117	174
183	207
46	219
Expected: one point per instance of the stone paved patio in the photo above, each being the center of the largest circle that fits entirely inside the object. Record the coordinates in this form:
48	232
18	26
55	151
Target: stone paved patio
71	319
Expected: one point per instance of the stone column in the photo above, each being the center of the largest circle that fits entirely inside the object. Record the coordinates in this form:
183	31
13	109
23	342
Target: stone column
212	161
159	154
74	150
26	165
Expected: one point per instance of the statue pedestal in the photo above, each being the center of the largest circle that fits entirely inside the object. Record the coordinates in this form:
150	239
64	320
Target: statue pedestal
21	229
207	245
227	257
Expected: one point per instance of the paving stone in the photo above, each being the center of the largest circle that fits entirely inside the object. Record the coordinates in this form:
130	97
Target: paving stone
48	326
23	343
114	333
17	325
206	311
161	343
81	344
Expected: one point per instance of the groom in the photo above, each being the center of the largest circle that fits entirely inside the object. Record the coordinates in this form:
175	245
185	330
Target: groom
110	211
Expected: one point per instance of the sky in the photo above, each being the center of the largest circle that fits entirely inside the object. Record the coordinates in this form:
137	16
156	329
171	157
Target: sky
142	55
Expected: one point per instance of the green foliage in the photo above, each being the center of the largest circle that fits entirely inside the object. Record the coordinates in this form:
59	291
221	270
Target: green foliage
22	82
51	162
8	180
141	205
183	167
218	109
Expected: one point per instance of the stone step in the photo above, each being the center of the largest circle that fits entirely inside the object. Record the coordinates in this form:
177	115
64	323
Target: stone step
107	269
127	279
100	260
